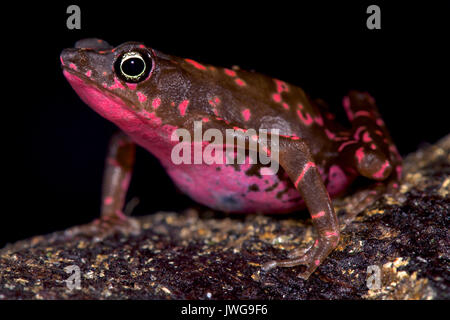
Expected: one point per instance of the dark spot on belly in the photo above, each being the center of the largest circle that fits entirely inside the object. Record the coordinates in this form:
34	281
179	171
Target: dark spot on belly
218	168
236	166
281	193
272	187
254	171
253	187
229	203
296	199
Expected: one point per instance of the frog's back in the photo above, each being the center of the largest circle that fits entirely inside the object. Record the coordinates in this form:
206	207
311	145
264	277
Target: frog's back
252	100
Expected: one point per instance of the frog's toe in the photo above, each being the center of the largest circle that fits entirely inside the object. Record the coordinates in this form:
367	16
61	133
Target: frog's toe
310	258
104	227
298	252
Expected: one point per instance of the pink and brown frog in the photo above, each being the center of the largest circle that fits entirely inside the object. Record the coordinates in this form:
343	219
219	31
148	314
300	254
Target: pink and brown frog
149	95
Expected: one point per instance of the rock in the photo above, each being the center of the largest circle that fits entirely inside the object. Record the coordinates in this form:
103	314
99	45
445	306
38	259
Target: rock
206	255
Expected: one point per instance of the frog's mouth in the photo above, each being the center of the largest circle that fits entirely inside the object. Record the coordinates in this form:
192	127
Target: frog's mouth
71	74
81	79
102	100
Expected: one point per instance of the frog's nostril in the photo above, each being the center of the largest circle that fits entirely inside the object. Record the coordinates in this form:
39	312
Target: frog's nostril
67	56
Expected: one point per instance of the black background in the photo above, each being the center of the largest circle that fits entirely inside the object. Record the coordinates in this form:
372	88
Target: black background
54	145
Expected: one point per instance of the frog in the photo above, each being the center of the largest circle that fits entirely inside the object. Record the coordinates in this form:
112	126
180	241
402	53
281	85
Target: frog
149	95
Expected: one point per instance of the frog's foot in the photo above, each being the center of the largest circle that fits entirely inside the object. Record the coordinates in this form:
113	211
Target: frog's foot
106	226
310	257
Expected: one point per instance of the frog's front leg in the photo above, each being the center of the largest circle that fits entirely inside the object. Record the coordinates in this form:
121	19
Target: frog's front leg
116	179
296	159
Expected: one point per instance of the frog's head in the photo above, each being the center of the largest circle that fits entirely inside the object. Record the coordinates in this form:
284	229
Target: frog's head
116	82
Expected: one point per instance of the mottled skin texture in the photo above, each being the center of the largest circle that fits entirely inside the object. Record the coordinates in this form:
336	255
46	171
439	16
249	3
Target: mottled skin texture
318	157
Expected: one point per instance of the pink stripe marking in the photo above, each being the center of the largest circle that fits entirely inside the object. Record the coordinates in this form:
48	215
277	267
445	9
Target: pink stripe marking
230	73
141	97
379	173
116	85
156	103
108	200
246	114
318	215
366	137
330	134
362	113
276	97
240	82
331	234
380	122
360	154
342	146
281	86
132	86
121	215
182	107
308	166
357	132
319	120
195	64
346	104
307	120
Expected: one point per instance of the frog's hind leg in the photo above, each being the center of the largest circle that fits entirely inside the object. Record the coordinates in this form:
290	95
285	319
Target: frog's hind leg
118	168
370	151
296	159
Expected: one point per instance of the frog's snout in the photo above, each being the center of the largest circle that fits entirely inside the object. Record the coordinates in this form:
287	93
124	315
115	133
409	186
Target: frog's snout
68	55
85	49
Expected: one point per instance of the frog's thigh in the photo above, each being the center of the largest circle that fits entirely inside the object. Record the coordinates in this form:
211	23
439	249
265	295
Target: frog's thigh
117	175
371	152
297	161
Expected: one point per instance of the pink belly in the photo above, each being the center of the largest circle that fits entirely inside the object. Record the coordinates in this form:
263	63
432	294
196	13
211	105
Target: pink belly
225	188
230	190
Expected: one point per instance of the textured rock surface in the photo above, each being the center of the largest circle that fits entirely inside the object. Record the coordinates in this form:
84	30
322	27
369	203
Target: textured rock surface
204	255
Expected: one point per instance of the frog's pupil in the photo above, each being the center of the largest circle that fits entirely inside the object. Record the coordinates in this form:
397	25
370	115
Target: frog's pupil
133	67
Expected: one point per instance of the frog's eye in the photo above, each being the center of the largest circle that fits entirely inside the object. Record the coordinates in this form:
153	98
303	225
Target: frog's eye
133	66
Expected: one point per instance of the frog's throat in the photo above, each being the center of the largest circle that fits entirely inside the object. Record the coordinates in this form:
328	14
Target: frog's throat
89	82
